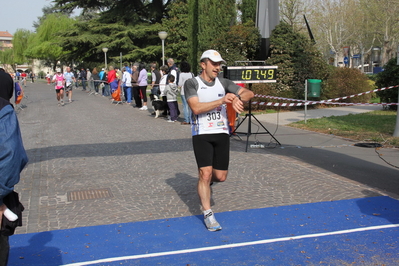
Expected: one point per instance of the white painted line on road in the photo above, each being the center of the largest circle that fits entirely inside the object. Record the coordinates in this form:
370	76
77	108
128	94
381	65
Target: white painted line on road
251	243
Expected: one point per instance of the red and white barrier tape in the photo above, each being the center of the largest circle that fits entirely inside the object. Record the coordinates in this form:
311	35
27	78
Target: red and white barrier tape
311	103
329	101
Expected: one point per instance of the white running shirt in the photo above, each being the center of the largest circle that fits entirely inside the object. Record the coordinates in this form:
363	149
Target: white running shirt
214	121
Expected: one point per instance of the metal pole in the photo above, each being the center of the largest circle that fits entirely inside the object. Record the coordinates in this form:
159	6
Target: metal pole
396	132
121	62
105	60
163	52
306	99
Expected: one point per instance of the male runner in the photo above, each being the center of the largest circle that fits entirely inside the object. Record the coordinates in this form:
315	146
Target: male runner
69	81
207	96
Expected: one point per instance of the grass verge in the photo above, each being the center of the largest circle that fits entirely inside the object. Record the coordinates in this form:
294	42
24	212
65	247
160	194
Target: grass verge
376	126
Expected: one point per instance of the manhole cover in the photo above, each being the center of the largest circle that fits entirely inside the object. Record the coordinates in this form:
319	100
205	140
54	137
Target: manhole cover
90	194
368	145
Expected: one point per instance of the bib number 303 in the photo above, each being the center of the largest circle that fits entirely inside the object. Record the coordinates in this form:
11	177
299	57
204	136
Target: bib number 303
213	116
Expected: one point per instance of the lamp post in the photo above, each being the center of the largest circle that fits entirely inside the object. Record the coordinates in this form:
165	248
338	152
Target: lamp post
105	50
162	35
396	132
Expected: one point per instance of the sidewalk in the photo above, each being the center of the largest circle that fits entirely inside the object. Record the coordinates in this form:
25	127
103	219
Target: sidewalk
285	118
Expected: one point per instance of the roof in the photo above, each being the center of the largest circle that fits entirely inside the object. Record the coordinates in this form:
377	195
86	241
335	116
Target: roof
5	34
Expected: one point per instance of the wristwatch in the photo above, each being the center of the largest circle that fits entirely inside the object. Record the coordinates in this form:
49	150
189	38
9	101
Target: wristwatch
238	96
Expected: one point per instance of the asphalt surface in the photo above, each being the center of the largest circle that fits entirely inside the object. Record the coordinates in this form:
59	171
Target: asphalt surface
93	162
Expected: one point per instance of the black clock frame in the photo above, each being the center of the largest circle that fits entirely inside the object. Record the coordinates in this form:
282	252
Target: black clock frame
250	74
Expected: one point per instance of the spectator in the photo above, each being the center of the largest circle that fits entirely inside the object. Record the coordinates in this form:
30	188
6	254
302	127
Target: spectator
112	79
105	89
173	69
76	75
119	73
127	85
89	79
142	81
171	92
12	155
48	78
156	78
96	80
128	69
135	87
185	75
162	84
23	77
83	77
32	77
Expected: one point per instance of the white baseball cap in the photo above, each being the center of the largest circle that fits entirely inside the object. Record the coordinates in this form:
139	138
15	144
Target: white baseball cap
213	56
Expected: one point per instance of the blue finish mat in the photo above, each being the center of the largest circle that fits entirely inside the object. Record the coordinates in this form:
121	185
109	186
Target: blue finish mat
363	231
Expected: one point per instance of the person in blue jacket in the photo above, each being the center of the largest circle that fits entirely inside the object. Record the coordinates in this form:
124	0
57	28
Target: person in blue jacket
13	157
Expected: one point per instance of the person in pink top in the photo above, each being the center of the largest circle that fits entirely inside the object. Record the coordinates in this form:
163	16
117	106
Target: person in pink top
59	81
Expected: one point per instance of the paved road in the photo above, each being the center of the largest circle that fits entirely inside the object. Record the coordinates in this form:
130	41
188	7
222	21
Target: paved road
144	169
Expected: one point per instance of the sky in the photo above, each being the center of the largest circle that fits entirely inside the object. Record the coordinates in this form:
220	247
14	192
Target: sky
20	14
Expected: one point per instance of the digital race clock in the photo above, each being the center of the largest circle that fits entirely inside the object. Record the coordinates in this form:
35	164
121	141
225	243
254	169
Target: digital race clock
250	74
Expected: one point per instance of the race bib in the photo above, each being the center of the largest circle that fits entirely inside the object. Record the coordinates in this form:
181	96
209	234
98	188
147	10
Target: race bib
214	119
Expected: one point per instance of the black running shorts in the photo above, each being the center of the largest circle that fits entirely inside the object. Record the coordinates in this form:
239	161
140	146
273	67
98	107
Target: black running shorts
212	150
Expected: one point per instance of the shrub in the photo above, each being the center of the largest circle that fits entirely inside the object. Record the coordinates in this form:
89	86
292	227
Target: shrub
345	82
386	78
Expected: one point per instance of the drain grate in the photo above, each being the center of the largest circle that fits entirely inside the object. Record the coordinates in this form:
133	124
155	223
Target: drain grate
102	193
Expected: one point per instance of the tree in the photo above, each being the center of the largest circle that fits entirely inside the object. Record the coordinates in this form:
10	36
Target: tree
332	20
240	43
47	10
209	19
384	23
215	17
248	10
44	44
297	60
193	31
360	24
291	12
7	58
126	12
20	45
127	27
176	25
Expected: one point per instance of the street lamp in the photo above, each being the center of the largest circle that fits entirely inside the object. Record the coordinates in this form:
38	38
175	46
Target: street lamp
162	35
105	50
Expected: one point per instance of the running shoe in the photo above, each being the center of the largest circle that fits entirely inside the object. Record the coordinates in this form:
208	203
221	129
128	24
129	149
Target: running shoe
144	108
211	223
62	102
